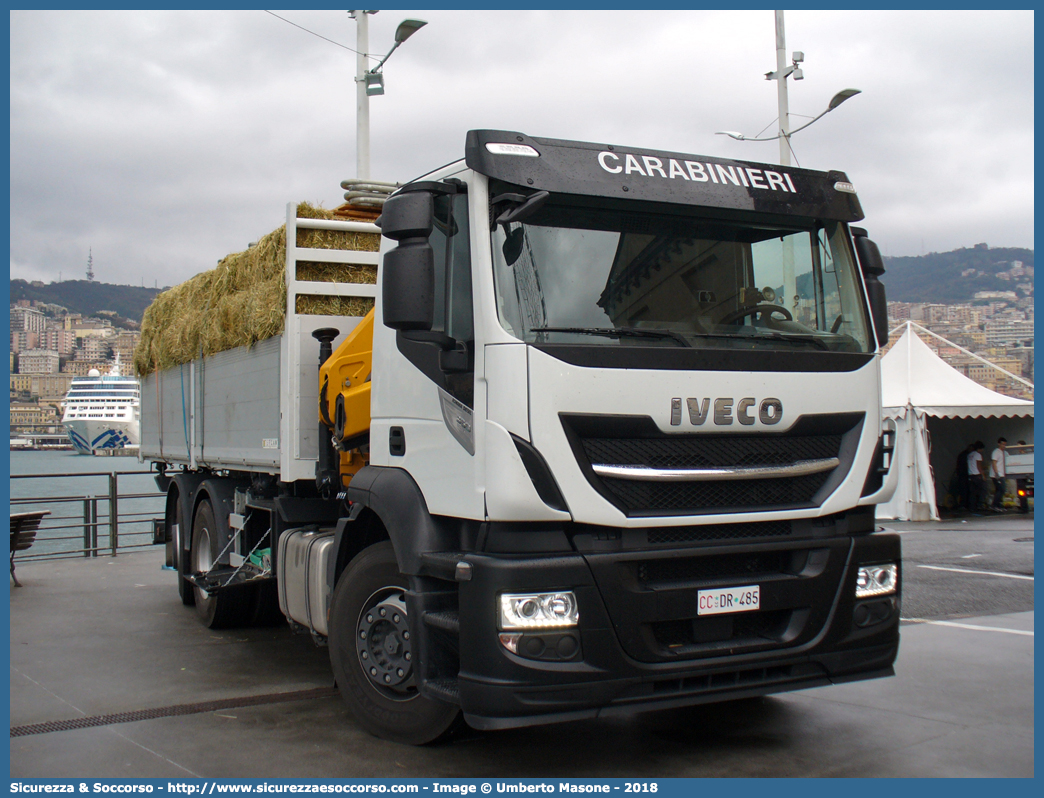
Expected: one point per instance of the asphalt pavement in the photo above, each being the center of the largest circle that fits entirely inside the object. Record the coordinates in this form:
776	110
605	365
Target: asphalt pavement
112	677
970	566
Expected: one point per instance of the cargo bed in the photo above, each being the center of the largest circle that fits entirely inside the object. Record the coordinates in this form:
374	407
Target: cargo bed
255	408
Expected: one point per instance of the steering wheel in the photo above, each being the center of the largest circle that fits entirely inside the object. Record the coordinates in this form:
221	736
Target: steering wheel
765	309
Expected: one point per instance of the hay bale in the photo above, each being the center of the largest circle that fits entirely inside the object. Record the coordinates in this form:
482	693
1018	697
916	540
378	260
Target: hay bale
336	272
243	299
312	305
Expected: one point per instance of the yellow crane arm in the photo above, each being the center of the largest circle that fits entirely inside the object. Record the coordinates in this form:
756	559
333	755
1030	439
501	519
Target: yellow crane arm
344	397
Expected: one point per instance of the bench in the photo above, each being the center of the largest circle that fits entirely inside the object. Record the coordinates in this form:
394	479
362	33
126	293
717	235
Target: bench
23	534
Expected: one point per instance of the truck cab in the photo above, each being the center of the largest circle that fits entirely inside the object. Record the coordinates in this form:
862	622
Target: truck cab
623	442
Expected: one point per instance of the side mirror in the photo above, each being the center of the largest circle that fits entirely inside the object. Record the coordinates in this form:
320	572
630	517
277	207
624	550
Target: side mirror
409	215
872	265
408	271
513	243
408	294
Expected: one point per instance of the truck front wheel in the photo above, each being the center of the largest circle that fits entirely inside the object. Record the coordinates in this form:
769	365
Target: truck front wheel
372	653
218	610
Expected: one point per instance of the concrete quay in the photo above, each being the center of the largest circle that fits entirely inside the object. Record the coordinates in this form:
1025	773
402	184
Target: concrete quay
104	656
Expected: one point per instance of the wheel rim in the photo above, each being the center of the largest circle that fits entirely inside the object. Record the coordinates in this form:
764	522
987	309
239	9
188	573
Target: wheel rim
203	556
176	542
384	645
202	560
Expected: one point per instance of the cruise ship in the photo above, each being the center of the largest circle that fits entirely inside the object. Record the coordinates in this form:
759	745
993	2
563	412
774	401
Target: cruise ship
102	411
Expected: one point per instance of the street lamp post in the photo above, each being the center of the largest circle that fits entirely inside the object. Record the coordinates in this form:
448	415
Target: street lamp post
362	99
780	76
371	82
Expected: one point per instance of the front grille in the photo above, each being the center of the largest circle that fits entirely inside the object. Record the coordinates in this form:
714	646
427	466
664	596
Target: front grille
741	495
711	452
733	567
638	443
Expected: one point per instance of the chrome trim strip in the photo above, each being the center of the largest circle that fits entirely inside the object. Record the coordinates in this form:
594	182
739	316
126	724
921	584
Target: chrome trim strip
643	474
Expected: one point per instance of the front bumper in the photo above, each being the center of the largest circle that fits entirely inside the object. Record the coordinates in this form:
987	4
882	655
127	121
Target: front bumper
643	646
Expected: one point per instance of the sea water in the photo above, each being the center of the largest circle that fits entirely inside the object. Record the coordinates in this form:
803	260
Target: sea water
59	480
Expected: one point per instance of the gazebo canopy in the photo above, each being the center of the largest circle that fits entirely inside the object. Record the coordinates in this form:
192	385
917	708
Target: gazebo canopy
912	375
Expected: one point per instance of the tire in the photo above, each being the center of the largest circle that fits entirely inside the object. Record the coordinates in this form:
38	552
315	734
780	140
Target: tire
188	596
221	610
386	703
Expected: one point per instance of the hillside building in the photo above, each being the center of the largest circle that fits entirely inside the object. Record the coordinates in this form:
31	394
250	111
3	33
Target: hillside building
91	348
94	328
29	319
38	361
124	344
29	416
21	340
80	368
61	341
45	387
1000	332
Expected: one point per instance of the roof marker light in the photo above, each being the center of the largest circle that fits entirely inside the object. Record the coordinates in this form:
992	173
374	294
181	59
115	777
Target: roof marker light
848	188
512	149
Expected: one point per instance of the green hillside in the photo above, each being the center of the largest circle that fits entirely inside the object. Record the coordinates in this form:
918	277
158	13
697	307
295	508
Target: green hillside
87	298
937	276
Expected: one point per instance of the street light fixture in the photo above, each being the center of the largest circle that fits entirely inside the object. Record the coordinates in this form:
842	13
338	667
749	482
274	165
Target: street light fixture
406	29
370	82
835	101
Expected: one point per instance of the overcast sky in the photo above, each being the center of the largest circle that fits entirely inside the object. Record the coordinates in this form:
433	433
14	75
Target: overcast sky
162	141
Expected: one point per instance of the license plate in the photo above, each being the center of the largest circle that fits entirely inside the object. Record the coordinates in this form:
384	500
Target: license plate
728	599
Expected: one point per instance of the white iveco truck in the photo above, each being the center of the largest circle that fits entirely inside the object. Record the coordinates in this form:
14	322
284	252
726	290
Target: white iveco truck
610	440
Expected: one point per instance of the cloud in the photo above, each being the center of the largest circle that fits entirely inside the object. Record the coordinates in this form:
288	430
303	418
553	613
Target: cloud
164	140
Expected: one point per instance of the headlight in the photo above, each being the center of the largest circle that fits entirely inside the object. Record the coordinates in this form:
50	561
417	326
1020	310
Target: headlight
876	580
538	610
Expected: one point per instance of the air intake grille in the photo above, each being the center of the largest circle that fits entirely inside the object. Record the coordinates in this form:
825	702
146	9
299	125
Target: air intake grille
699	631
667	535
752	565
637	443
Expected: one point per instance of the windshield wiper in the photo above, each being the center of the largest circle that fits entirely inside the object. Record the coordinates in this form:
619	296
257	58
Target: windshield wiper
618	332
642	332
803	337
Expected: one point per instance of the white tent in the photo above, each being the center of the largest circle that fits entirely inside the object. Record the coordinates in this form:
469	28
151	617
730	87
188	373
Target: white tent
937	412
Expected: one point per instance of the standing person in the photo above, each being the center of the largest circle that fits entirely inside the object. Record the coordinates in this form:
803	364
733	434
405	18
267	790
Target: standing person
961	475
999	474
976	477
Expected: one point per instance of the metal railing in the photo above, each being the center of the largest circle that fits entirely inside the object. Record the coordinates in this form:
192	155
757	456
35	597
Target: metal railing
110	522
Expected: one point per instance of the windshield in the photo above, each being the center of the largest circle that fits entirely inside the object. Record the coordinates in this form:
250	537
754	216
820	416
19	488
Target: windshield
576	274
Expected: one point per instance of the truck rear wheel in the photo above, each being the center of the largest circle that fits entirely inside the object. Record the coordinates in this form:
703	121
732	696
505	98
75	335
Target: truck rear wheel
220	610
372	654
